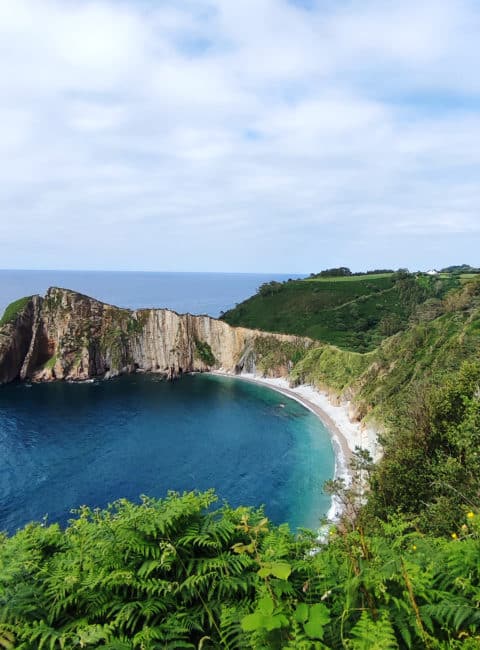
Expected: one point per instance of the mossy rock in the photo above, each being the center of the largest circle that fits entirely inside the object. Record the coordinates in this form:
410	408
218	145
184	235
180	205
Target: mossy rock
14	309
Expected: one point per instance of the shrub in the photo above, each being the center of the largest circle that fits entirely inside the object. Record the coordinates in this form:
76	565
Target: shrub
204	351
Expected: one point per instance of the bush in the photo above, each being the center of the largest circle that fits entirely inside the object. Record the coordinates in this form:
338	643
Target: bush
340	272
205	353
269	288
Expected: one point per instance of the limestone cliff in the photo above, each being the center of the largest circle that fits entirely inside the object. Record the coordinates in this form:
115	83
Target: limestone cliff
15	338
66	335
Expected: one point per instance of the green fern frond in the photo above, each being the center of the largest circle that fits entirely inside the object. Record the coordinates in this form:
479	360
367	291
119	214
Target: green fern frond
373	635
7	638
454	613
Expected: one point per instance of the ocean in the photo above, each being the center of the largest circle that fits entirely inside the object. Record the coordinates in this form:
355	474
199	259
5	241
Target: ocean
196	293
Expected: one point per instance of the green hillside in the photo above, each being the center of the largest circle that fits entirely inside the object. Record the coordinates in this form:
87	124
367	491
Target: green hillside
355	312
422	386
440	337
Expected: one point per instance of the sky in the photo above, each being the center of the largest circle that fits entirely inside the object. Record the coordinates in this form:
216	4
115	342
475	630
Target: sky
239	135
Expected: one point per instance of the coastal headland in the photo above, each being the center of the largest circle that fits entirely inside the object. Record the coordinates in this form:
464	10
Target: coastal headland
68	336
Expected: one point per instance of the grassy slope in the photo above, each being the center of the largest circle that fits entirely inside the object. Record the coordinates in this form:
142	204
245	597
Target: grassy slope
346	311
330	367
423	354
435	343
13	309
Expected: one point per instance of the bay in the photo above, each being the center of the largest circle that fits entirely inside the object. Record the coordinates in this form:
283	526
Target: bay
63	445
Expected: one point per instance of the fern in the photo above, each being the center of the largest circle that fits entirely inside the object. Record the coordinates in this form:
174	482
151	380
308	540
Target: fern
177	574
7	638
373	635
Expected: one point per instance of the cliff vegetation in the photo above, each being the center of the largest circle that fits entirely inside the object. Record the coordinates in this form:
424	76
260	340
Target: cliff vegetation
355	312
13	310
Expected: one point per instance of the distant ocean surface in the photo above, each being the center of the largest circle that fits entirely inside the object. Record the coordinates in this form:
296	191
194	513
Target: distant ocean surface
196	293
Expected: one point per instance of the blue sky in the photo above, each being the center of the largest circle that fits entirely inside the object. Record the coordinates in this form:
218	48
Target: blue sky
227	135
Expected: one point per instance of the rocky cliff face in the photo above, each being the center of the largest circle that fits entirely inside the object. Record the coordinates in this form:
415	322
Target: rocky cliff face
15	340
70	336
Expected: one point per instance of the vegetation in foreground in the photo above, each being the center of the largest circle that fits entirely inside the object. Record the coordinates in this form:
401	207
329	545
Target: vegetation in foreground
177	574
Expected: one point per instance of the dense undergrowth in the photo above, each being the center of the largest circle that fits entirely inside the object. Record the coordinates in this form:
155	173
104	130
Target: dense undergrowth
401	570
177	574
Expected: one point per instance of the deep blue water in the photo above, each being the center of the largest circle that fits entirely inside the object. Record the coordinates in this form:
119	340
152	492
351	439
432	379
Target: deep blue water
197	293
63	445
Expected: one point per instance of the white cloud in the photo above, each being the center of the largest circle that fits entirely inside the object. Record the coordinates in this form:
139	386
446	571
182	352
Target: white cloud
246	135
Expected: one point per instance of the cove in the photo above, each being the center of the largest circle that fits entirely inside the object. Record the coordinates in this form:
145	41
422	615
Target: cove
63	445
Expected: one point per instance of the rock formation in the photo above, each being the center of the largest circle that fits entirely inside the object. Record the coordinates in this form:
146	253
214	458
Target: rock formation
67	335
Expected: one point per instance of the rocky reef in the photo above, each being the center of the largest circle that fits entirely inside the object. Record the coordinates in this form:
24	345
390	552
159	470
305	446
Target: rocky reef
66	335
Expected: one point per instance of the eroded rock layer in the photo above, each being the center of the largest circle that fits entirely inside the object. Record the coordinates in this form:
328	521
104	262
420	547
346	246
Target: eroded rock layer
67	335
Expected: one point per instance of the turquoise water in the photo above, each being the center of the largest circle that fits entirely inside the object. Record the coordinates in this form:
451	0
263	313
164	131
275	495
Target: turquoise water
63	445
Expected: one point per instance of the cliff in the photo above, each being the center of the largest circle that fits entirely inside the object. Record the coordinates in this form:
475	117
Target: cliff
15	337
67	335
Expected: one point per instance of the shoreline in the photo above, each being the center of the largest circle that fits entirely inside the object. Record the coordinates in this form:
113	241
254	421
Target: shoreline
345	434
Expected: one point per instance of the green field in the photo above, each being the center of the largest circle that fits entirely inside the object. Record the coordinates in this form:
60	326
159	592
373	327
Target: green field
351	278
352	312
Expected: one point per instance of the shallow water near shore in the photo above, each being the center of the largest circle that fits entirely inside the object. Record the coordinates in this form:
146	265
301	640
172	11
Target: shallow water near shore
63	445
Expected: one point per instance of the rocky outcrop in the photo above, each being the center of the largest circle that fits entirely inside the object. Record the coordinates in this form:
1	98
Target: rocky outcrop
67	335
15	339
